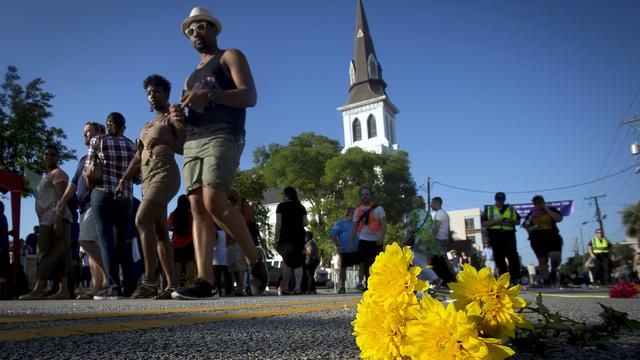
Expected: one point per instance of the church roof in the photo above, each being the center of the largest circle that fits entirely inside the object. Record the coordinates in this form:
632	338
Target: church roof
366	81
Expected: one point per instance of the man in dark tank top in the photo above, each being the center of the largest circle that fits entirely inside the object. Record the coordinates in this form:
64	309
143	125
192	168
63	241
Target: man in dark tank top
215	96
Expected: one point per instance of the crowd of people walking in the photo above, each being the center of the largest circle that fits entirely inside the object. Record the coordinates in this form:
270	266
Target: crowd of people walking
207	128
214	232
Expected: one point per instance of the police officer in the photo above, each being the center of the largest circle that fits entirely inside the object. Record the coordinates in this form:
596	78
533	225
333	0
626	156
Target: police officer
500	221
600	250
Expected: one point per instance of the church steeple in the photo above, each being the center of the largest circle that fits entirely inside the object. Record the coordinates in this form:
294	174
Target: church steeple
365	73
369	115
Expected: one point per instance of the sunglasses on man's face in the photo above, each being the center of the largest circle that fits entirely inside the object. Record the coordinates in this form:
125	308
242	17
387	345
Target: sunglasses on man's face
199	28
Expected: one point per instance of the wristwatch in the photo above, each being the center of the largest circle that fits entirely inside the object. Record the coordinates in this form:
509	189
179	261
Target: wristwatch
211	95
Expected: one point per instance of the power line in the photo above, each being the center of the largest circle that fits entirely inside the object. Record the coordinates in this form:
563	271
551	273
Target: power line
615	136
539	190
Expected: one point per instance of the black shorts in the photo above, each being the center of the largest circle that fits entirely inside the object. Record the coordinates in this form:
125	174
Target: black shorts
545	241
368	250
349	259
184	254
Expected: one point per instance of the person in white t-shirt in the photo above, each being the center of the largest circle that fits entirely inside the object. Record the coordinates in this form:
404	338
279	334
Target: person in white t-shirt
220	268
487	258
440	222
441	228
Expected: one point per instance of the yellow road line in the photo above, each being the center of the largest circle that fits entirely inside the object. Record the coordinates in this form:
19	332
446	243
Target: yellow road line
80	316
576	296
87	329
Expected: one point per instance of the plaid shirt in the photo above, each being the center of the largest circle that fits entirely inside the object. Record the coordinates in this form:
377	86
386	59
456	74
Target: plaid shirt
117	152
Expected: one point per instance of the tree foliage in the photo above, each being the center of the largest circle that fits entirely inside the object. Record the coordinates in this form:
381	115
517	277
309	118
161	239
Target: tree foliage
251	186
631	220
24	133
329	181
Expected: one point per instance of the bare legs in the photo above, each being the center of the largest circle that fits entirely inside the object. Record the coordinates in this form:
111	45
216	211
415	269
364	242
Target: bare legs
207	205
99	278
151	221
555	257
286	275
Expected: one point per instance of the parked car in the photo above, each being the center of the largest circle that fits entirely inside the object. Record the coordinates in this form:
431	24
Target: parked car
322	277
274	267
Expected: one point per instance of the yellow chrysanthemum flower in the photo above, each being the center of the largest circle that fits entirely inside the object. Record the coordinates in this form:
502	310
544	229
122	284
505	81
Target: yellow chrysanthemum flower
393	280
491	301
379	334
439	333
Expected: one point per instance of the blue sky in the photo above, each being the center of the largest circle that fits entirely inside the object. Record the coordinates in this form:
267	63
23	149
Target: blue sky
493	95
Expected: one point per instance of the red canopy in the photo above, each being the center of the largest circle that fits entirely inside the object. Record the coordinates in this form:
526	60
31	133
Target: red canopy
14	183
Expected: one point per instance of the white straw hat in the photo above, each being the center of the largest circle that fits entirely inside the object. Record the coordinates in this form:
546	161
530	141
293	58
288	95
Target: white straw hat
199	13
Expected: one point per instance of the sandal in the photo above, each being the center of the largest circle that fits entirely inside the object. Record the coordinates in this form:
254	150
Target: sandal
145	290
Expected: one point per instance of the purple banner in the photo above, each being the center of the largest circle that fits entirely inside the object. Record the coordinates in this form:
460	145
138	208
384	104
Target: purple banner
565	207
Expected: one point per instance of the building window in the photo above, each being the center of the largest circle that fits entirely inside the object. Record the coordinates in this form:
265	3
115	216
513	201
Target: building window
352	73
373	67
469	224
357	130
371	127
386	128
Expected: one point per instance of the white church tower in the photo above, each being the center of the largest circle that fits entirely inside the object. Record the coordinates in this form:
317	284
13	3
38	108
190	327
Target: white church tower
368	116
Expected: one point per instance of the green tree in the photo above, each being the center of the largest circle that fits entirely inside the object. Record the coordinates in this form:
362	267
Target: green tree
330	180
23	129
251	186
388	175
631	220
622	252
574	264
301	164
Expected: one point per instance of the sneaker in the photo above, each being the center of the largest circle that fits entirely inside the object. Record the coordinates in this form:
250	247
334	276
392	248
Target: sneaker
238	292
32	296
360	287
259	274
199	290
164	294
436	284
342	290
107	294
86	296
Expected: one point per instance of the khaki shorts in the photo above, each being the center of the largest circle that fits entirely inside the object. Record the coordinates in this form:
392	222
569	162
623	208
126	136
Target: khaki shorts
211	161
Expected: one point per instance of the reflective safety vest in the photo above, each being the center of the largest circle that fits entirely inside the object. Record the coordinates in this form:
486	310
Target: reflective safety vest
494	213
373	223
599	245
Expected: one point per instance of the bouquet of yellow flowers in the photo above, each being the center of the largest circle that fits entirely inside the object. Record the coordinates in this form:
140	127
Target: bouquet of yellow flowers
393	323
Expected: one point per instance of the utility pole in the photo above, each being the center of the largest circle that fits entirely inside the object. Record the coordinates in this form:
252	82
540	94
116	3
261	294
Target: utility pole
582	241
632	121
598	214
635	147
428	193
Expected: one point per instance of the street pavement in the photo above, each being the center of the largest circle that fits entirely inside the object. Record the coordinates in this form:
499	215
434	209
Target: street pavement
261	327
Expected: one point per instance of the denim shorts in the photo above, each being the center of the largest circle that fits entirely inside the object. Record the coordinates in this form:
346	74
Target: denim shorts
211	161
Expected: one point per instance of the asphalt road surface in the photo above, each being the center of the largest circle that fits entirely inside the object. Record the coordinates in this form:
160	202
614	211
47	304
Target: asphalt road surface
262	327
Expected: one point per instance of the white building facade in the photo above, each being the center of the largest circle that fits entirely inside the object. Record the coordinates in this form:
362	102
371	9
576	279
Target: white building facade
466	225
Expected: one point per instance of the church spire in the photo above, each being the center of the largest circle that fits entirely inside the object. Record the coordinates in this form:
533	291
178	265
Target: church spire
365	73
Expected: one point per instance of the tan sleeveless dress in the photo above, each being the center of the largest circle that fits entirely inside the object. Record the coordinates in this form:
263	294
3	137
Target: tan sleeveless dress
160	172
